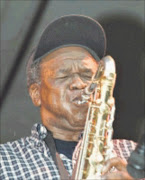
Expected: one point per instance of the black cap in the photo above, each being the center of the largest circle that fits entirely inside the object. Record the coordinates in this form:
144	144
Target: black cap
77	30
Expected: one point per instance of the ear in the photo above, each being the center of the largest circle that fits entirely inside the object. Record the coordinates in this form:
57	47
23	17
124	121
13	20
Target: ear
34	91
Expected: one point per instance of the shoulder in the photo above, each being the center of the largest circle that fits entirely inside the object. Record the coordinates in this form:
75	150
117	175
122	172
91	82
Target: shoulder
20	145
10	146
11	150
26	158
123	147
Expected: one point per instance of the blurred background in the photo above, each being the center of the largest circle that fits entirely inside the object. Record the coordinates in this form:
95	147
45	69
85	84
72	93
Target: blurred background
123	22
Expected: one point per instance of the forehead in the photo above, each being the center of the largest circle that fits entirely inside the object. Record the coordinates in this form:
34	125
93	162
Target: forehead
67	57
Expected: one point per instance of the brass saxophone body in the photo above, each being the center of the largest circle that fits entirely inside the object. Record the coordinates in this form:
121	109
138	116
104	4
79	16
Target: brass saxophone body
97	138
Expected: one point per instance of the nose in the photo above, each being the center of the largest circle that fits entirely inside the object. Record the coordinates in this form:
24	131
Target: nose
77	83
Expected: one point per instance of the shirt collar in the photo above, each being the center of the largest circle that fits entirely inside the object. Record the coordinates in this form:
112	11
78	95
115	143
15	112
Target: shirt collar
38	131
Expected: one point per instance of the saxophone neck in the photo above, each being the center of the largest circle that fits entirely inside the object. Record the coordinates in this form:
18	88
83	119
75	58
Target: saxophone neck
106	68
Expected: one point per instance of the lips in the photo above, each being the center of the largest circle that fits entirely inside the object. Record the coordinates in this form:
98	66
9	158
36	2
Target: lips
79	101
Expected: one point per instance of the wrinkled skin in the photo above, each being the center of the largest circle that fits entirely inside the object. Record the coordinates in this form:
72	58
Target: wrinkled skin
64	75
120	165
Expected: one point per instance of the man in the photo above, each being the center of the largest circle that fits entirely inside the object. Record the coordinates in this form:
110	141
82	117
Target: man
58	71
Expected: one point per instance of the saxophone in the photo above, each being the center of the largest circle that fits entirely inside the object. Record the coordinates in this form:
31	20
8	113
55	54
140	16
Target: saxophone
97	144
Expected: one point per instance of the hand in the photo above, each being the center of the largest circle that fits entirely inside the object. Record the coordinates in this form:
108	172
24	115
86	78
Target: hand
120	165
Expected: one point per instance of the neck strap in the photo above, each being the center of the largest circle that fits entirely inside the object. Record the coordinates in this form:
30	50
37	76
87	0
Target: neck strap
55	156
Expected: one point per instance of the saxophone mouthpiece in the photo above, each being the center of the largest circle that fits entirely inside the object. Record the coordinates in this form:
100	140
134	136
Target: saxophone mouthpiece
90	89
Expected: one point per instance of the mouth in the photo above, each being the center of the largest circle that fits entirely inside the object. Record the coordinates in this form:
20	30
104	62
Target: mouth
79	101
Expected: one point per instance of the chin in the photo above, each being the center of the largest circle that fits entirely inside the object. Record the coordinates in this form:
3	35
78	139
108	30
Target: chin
79	121
77	127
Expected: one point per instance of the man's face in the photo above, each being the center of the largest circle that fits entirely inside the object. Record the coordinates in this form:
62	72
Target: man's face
64	75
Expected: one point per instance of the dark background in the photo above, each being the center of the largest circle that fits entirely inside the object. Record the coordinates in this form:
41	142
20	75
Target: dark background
123	22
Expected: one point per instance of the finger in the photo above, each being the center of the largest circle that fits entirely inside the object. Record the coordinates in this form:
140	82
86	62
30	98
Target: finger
116	162
117	176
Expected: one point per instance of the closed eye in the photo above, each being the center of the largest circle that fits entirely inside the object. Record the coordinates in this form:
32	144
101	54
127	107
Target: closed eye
86	77
62	77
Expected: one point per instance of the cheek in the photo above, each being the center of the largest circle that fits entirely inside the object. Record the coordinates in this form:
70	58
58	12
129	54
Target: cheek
53	94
